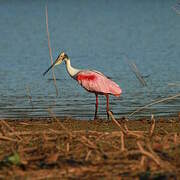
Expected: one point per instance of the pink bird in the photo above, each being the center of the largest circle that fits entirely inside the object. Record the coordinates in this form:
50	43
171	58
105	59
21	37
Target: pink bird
91	80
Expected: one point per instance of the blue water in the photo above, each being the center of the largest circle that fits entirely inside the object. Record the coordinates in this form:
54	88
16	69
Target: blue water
95	35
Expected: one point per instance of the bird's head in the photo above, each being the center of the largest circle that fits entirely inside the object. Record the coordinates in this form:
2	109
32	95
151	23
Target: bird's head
62	56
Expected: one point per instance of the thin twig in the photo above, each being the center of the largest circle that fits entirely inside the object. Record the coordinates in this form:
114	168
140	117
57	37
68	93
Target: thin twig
173	84
67	147
153	123
125	131
116	122
148	154
136	72
27	133
88	154
7	126
50	52
122	142
89	143
29	96
10	129
125	127
7	139
150	148
137	134
142	162
155	102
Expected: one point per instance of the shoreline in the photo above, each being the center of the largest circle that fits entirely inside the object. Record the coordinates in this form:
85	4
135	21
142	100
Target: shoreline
63	118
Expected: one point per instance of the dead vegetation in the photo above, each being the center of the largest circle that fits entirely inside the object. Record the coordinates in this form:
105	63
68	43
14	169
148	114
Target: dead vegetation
53	148
50	51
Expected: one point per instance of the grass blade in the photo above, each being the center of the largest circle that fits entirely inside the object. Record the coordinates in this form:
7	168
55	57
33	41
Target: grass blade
50	52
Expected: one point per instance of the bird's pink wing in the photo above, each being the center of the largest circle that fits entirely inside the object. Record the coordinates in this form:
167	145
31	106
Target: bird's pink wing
96	82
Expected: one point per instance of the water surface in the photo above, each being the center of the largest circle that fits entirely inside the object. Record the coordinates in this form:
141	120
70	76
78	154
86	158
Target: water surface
95	35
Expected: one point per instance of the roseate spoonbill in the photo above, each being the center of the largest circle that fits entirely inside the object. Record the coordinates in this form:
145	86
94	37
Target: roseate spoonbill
91	80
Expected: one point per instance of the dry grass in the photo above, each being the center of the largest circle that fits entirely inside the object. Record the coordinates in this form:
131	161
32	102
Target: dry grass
50	149
50	51
136	71
155	102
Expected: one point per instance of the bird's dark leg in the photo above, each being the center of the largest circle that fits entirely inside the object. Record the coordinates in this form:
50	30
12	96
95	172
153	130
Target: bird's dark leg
107	105
95	116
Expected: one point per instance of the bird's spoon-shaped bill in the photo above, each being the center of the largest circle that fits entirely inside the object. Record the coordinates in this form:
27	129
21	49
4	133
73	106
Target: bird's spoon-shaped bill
56	62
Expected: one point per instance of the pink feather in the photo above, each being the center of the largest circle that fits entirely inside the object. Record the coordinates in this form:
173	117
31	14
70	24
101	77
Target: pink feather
96	82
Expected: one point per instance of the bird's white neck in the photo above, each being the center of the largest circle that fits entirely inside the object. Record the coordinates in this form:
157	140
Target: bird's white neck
71	71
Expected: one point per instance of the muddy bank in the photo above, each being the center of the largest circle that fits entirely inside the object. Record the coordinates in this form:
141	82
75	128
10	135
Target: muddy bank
70	149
